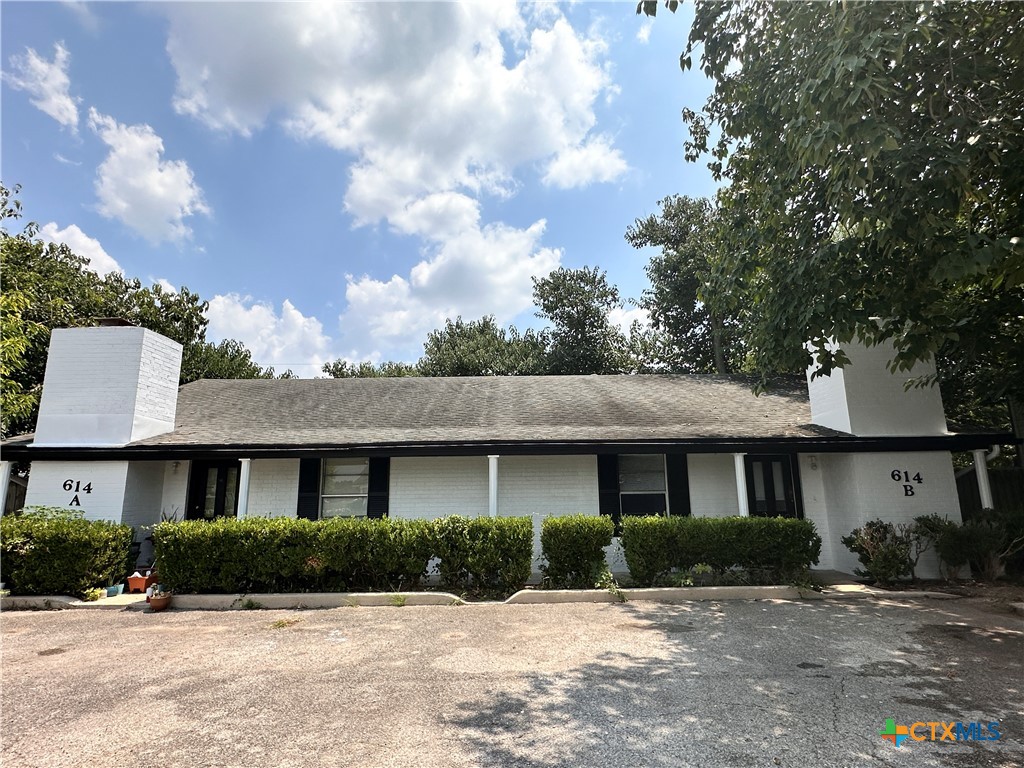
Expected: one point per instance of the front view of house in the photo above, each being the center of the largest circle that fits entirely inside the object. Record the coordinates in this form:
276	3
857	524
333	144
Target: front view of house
119	439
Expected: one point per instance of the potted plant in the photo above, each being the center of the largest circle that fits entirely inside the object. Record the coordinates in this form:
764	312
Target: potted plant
160	600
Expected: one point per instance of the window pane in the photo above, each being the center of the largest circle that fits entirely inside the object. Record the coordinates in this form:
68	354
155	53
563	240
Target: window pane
353	506
229	491
759	492
780	488
642	473
210	503
346	477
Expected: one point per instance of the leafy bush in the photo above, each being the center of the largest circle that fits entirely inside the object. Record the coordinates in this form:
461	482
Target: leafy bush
574	549
482	554
54	551
341	554
883	549
986	542
772	549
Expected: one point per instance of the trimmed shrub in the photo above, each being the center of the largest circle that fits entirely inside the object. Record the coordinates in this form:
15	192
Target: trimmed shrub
54	551
342	554
291	555
483	555
574	549
772	549
882	549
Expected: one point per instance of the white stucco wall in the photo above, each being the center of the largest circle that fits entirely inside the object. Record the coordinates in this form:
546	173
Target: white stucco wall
859	487
712	485
815	505
107	479
438	486
107	386
273	487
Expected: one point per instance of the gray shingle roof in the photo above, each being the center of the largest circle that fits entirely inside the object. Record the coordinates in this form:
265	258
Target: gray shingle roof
323	412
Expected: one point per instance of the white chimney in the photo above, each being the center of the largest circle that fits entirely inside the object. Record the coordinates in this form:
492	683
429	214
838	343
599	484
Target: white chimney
866	400
108	386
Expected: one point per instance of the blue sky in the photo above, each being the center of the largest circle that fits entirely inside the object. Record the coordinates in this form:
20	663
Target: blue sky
336	179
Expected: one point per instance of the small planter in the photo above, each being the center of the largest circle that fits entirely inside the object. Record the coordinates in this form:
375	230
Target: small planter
115	590
157	604
141	583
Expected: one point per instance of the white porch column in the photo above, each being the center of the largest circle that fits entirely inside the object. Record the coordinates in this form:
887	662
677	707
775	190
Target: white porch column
492	485
243	488
5	482
741	483
981	471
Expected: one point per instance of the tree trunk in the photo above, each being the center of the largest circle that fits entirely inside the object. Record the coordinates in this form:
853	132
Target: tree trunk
716	345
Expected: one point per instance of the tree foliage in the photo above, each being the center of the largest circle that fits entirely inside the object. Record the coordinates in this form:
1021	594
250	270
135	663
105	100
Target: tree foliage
698	340
578	303
342	369
873	159
483	348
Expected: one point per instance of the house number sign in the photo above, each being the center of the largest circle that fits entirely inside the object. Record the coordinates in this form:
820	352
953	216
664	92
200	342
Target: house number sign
904	477
76	487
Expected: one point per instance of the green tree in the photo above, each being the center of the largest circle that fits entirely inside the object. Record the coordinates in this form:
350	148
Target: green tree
229	359
697	340
482	348
875	183
578	303
341	369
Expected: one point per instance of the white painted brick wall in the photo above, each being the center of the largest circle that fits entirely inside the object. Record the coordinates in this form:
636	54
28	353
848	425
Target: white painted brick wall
143	493
108	478
858	488
175	490
438	486
547	485
812	482
107	386
273	487
866	399
712	485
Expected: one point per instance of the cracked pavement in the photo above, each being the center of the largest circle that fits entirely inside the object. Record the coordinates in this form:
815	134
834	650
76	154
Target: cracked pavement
746	683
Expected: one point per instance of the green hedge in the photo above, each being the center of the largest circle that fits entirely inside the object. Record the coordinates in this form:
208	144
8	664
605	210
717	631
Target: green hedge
342	554
574	549
773	548
53	551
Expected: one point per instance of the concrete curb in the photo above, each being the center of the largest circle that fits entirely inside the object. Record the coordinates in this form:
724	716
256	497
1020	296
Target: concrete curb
300	600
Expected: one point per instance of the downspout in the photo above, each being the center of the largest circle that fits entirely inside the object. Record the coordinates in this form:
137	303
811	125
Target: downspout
981	460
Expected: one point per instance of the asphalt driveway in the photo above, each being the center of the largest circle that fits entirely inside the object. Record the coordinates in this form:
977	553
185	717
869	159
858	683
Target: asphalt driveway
750	683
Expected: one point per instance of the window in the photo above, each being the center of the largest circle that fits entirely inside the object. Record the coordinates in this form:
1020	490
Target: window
642	484
345	486
212	490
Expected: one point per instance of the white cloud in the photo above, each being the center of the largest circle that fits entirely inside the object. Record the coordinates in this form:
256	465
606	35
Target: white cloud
579	166
65	161
643	34
478	90
82	245
625	317
439	105
284	340
47	84
163	282
136	186
83	13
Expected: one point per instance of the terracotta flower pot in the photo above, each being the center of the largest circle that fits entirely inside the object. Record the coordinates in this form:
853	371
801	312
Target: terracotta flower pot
160	603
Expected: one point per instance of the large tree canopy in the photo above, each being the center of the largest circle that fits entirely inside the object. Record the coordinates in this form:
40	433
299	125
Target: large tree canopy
874	167
483	348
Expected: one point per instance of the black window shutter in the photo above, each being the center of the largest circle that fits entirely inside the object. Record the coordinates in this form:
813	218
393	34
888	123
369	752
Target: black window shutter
377	498
677	478
308	504
608	485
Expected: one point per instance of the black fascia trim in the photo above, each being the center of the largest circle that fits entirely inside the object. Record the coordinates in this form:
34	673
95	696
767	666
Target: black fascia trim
828	444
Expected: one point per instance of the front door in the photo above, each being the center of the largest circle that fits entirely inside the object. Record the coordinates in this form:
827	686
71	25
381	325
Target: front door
772	486
212	490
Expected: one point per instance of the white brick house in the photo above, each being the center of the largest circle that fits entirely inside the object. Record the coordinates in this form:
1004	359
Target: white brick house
120	440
